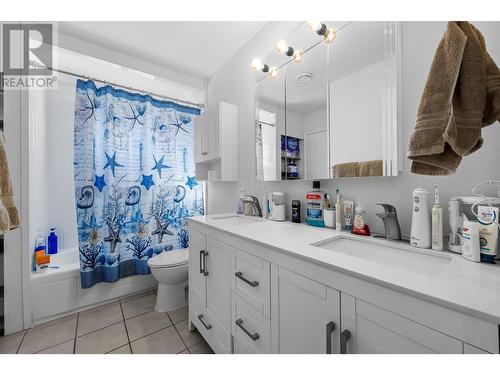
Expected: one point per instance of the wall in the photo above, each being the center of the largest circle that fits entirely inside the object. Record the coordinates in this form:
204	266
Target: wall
357	110
419	40
234	83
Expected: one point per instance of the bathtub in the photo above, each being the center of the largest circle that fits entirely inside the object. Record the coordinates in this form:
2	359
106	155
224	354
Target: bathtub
56	291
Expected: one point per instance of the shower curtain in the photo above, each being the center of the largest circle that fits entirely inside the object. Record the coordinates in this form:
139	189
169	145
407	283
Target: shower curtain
134	180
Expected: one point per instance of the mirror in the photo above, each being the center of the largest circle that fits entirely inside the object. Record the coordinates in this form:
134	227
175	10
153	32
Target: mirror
270	125
335	113
363	101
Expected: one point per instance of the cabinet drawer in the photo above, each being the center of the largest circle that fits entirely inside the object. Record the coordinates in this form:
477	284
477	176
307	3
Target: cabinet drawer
250	327
381	331
212	331
250	280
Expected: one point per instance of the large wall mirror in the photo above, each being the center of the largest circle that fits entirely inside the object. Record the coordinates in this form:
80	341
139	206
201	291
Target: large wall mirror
334	113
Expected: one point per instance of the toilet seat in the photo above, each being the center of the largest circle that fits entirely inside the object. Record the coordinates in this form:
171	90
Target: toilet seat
170	259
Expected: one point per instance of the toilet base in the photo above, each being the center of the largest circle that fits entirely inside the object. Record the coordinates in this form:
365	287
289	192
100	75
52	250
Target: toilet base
170	297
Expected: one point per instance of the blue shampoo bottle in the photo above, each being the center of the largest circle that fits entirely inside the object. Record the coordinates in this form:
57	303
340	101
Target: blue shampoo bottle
52	242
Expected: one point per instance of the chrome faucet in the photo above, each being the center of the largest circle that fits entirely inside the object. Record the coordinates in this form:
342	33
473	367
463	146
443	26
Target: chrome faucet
390	219
253	203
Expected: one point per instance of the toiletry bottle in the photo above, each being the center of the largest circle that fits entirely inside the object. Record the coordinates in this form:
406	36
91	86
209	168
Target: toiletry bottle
39	248
437	222
470	240
241	203
296	211
488	232
359	226
338	211
52	242
315	203
348	214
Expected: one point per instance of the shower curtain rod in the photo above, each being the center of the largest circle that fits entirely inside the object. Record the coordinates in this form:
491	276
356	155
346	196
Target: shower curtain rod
128	87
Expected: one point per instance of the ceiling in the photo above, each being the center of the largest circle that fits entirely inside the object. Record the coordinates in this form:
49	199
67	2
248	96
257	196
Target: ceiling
358	45
196	48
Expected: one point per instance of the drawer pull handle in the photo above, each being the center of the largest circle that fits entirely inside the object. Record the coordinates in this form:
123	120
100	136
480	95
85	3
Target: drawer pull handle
203	262
253	336
344	337
200	318
330	327
240	276
202	253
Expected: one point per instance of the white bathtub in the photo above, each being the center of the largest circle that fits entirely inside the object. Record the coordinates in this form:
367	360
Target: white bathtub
57	292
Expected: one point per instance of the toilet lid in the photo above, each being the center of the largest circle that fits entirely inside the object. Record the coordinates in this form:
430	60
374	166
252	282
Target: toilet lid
170	258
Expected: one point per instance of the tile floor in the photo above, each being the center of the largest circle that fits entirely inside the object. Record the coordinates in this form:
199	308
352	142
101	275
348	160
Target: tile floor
123	327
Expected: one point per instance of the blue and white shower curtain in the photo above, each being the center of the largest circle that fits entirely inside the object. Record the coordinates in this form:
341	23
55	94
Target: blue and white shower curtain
134	180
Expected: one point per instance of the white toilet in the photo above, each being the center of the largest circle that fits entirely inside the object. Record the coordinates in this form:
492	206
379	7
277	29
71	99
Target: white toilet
170	269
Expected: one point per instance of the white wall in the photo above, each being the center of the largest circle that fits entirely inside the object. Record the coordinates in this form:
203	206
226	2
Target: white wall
357	109
234	84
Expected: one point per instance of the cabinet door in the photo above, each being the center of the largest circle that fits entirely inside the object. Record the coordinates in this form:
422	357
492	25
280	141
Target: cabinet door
374	330
308	315
219	281
212	133
197	280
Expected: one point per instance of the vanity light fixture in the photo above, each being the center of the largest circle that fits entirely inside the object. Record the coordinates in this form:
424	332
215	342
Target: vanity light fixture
318	27
274	72
284	48
298	56
330	35
304	77
257	64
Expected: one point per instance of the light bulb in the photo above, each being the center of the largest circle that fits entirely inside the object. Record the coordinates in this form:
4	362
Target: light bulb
330	35
281	46
274	72
257	64
314	25
298	55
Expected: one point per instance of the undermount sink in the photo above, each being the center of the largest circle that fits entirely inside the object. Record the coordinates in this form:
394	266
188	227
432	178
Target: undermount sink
238	219
390	254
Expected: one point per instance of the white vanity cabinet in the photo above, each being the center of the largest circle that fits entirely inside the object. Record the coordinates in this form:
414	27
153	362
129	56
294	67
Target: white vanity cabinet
210	290
306	315
373	330
245	297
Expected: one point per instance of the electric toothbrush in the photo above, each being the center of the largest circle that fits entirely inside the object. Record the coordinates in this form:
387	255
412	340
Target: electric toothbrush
437	222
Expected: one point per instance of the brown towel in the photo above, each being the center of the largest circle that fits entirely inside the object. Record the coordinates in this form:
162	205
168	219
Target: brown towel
346	169
461	95
370	168
9	217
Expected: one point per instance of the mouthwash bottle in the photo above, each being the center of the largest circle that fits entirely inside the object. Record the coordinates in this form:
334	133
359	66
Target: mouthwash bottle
315	203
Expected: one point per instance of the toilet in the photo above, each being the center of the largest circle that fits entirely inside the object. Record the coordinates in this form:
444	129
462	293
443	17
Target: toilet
170	269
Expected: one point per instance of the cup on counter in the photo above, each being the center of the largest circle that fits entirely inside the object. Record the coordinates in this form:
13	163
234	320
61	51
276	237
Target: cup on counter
329	217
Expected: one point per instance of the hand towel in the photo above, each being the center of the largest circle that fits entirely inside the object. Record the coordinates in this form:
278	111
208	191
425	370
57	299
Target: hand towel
370	168
461	95
346	169
9	217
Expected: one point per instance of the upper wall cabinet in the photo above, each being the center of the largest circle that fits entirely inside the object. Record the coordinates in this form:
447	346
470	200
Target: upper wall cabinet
217	144
335	112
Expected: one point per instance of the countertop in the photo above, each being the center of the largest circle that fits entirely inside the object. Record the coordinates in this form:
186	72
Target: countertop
473	288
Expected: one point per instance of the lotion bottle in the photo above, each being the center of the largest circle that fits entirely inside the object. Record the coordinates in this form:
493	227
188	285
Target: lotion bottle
437	222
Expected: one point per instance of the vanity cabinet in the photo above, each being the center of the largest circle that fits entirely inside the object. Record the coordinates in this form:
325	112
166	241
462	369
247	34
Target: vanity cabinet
373	330
210	290
307	315
245	297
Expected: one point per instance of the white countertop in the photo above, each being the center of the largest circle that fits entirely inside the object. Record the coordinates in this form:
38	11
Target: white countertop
473	288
